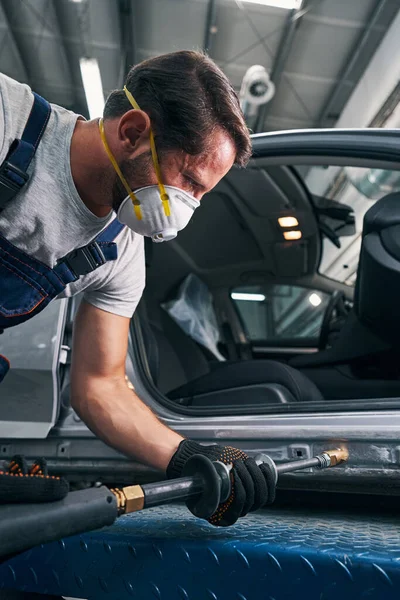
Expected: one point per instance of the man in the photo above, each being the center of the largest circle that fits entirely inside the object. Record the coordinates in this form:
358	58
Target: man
164	141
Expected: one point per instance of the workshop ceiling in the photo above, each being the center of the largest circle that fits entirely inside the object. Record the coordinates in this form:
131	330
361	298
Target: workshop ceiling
307	52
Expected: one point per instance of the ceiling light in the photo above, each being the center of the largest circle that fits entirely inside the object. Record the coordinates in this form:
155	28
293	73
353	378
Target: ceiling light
92	85
289	4
288	221
251	297
315	299
292	235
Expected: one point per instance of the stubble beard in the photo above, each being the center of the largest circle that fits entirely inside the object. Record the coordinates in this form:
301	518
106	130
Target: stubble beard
137	173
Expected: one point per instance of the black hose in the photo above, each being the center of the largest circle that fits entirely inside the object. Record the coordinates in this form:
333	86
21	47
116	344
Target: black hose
23	526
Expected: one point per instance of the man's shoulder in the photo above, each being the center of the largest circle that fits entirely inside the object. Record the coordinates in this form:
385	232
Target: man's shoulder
6	81
131	253
133	240
119	283
120	288
15	93
15	104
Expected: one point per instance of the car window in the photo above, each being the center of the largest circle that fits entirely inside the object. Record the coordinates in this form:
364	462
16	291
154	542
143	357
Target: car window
280	313
358	188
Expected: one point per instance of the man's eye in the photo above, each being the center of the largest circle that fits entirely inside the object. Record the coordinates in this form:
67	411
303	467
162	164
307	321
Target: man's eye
191	183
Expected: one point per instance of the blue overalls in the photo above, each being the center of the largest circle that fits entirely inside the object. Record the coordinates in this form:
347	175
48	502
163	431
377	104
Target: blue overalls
26	284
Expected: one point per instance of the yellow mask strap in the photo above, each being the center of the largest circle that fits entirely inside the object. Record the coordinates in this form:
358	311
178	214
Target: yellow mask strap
136	203
163	194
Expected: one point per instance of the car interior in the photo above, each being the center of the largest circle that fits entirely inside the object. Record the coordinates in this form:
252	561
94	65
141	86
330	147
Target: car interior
327	339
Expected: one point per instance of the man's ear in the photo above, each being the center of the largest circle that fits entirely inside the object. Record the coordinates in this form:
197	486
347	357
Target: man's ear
134	131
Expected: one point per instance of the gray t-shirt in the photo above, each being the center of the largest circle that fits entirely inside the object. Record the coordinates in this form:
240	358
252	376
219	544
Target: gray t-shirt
48	219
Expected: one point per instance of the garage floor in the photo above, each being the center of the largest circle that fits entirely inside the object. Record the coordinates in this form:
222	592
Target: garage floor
166	553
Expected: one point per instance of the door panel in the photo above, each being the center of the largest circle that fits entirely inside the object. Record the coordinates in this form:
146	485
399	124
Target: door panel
29	394
267	350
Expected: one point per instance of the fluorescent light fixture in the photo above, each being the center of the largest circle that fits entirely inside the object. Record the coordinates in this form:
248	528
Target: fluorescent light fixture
250	297
315	299
288	221
292	235
92	85
289	4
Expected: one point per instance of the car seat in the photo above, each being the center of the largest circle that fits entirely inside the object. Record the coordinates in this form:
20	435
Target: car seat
363	361
180	369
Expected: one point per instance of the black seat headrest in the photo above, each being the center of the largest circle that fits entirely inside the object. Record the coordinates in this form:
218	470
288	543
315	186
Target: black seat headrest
383	214
377	294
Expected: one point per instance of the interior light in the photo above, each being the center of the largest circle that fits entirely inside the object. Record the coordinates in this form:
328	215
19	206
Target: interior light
292	235
245	296
315	299
288	221
92	85
289	4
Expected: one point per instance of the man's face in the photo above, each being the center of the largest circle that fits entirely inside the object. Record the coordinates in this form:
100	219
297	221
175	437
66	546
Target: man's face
197	175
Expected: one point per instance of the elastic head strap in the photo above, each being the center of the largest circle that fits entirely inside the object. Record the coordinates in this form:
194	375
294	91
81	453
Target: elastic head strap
163	194
136	203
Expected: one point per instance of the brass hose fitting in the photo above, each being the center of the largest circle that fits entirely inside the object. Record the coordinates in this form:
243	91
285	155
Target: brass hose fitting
337	456
129	499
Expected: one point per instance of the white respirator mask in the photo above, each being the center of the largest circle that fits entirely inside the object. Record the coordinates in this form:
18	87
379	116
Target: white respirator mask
154	222
154	211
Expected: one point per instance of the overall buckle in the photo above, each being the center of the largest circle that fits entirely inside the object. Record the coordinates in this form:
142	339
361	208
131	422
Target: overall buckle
85	260
12	180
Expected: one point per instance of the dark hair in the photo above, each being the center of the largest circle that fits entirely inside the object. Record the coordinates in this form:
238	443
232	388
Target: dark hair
187	97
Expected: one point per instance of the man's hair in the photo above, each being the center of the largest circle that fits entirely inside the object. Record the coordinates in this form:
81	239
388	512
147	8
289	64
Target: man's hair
187	98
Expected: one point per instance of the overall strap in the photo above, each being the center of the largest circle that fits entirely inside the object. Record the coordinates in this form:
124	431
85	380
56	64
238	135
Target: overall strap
86	259
110	232
13	171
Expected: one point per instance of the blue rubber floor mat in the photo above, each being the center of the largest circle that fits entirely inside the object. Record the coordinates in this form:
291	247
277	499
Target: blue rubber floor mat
167	554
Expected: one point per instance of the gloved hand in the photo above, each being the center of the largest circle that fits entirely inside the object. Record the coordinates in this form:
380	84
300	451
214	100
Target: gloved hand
19	484
253	486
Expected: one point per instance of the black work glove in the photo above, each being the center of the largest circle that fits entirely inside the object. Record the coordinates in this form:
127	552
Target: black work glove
253	486
21	484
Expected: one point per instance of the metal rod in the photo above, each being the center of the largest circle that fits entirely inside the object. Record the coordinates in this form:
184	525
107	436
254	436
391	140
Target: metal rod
329	458
183	488
137	497
278	67
351	60
298	465
211	22
127	38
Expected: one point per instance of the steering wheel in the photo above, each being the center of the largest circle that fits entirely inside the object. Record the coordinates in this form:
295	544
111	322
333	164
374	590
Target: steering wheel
335	313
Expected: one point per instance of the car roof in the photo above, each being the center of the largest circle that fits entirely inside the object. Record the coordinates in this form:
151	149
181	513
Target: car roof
234	237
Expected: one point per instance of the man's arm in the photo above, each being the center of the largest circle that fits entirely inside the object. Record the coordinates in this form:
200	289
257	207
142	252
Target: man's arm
101	397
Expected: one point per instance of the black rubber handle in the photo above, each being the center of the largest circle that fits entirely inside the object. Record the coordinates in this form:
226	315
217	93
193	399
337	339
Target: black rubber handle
164	492
23	526
204	485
